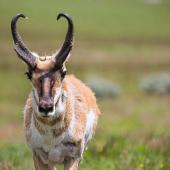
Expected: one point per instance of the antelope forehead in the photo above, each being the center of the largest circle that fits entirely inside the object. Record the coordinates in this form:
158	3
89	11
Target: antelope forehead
45	63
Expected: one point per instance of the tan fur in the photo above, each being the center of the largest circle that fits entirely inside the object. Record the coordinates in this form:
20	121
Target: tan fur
84	93
35	79
84	101
45	63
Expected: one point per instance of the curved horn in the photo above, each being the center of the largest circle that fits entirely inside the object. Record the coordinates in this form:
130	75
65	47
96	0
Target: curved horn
23	52
68	43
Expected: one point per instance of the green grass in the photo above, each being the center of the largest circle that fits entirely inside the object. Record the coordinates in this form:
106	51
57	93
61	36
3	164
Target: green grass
121	40
132	131
117	153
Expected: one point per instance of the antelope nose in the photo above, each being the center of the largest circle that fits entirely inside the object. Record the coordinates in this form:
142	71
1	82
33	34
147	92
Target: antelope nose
46	106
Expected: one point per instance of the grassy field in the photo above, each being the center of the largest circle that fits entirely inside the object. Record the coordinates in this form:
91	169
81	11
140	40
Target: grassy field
121	40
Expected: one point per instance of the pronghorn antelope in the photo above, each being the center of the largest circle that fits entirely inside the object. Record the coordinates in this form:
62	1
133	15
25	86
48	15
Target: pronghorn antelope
61	113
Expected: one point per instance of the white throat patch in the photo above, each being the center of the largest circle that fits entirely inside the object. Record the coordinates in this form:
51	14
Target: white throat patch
60	101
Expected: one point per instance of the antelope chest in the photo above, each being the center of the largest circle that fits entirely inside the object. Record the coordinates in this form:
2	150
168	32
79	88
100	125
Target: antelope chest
54	149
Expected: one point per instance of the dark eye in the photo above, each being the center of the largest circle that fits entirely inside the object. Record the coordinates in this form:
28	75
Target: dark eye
63	74
39	79
52	83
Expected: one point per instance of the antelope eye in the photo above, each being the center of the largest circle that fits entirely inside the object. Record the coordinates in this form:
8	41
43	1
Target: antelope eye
63	73
40	80
52	83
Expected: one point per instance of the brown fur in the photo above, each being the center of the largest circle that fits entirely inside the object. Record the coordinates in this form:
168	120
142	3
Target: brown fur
84	100
45	63
44	121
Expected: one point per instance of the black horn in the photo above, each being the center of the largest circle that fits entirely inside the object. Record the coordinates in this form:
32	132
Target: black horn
68	43
21	49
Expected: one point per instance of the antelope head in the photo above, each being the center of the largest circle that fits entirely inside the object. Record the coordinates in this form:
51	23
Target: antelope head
45	72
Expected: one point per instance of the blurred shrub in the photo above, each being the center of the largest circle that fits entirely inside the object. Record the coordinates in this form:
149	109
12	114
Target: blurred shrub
156	84
102	87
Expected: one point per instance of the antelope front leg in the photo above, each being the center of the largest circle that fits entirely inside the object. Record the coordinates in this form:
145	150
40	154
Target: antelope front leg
39	165
71	164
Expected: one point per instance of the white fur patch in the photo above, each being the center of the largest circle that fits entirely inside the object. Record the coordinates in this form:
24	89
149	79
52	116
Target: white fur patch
89	126
47	141
60	107
35	100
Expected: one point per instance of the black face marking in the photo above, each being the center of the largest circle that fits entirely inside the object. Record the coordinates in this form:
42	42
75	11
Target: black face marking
47	83
47	91
46	100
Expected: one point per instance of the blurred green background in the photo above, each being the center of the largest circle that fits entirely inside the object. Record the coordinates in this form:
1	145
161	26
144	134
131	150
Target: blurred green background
119	41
